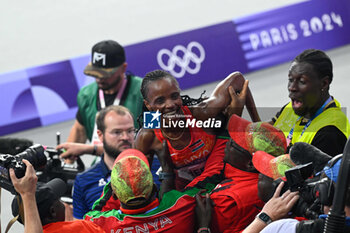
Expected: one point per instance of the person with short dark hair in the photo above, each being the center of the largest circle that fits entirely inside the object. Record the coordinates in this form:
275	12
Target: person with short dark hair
313	115
115	128
112	87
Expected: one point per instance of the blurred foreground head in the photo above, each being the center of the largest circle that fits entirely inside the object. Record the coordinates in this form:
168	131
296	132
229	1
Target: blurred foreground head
131	178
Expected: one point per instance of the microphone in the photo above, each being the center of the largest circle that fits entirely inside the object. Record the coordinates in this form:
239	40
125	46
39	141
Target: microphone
14	146
303	153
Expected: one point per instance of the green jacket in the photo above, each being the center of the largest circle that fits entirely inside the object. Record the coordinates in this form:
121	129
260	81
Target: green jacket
87	102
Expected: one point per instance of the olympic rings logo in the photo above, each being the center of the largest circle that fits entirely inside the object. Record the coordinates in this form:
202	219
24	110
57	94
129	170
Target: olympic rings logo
183	62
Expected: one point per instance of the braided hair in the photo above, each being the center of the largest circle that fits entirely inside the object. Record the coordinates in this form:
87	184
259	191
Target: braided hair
159	75
320	61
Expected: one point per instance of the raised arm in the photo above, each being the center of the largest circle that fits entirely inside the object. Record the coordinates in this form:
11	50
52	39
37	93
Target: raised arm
26	187
238	100
221	97
250	104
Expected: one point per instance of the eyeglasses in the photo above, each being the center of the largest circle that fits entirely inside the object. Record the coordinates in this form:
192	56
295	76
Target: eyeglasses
129	132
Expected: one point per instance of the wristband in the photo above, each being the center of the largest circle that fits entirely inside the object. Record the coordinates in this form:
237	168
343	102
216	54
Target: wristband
94	150
207	229
166	175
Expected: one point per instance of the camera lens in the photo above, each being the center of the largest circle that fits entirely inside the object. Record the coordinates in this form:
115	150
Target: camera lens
35	155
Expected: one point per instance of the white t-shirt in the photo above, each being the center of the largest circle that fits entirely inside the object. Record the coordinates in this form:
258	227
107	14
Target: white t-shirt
287	225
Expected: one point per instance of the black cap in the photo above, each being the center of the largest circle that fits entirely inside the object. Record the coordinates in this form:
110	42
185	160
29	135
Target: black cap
46	195
106	56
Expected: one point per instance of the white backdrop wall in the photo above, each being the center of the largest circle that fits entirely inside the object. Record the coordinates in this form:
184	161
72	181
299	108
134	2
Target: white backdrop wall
38	32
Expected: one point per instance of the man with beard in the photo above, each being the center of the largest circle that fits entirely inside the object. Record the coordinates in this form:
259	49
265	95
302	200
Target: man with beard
115	128
112	87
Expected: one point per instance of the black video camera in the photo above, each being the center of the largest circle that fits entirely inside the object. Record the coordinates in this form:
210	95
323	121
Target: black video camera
46	162
34	154
314	192
56	168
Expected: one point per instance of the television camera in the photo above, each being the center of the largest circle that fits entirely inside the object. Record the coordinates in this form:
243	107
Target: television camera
47	163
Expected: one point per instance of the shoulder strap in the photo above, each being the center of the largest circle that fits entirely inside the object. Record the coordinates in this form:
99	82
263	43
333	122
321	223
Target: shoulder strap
11	222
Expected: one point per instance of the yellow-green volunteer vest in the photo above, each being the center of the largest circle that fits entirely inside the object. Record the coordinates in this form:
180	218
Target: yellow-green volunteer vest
331	116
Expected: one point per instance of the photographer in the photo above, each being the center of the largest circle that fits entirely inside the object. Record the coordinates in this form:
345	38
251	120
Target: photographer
273	168
276	208
314	225
26	188
42	209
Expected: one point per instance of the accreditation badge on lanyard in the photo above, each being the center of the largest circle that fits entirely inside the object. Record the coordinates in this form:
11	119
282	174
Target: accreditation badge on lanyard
95	140
319	111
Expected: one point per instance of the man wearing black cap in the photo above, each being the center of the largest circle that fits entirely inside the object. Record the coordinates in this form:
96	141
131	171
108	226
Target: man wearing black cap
42	209
112	87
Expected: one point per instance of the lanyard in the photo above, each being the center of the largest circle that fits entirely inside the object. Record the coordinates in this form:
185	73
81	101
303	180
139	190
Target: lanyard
95	139
117	98
319	111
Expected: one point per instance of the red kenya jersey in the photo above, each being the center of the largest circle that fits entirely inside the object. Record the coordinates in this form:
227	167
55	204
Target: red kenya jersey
174	214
